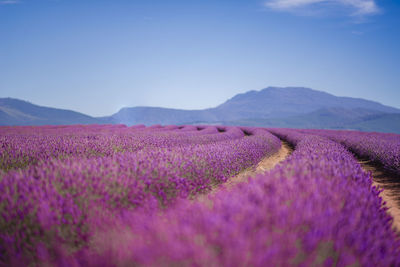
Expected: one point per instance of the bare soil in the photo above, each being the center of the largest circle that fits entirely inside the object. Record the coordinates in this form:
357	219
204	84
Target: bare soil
266	164
390	183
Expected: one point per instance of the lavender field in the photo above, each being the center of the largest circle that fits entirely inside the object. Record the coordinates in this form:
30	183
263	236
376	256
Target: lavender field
111	195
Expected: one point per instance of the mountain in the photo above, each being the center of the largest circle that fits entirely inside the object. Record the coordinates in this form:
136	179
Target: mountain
270	103
275	102
292	107
19	112
155	115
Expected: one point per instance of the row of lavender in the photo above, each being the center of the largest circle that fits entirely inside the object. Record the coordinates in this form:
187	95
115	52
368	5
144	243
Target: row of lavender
53	197
25	146
383	148
317	208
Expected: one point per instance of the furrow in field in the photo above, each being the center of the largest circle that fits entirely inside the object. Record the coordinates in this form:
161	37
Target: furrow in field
266	164
390	183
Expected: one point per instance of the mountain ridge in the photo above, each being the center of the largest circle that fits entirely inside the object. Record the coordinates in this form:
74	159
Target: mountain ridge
20	112
291	107
270	102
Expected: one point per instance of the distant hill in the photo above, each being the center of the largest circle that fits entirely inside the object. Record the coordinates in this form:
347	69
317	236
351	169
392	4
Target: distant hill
19	112
276	102
270	103
155	115
292	107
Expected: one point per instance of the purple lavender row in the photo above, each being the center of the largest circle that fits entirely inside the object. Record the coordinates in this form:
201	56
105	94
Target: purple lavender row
315	209
53	200
24	146
382	148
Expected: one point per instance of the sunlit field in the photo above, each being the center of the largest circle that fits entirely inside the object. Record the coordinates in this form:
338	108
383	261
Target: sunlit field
111	195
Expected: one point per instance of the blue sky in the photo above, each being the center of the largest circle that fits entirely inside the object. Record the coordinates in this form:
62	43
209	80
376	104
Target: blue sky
96	56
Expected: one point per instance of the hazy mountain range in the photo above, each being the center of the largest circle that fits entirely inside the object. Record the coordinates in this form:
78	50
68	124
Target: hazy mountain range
19	112
295	107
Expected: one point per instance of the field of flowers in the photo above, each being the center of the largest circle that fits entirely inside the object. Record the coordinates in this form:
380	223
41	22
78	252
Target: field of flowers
54	177
382	148
123	196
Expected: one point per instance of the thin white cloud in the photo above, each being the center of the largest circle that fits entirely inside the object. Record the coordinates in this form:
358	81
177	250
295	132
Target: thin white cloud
358	7
9	2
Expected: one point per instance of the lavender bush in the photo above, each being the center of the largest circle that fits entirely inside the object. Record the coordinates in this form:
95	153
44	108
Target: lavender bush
52	198
383	148
317	208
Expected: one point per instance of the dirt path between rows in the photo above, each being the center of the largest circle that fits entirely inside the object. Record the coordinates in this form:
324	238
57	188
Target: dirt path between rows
391	189
267	163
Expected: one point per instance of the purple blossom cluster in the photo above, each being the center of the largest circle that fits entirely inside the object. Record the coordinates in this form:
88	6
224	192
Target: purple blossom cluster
383	148
25	146
317	208
63	180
